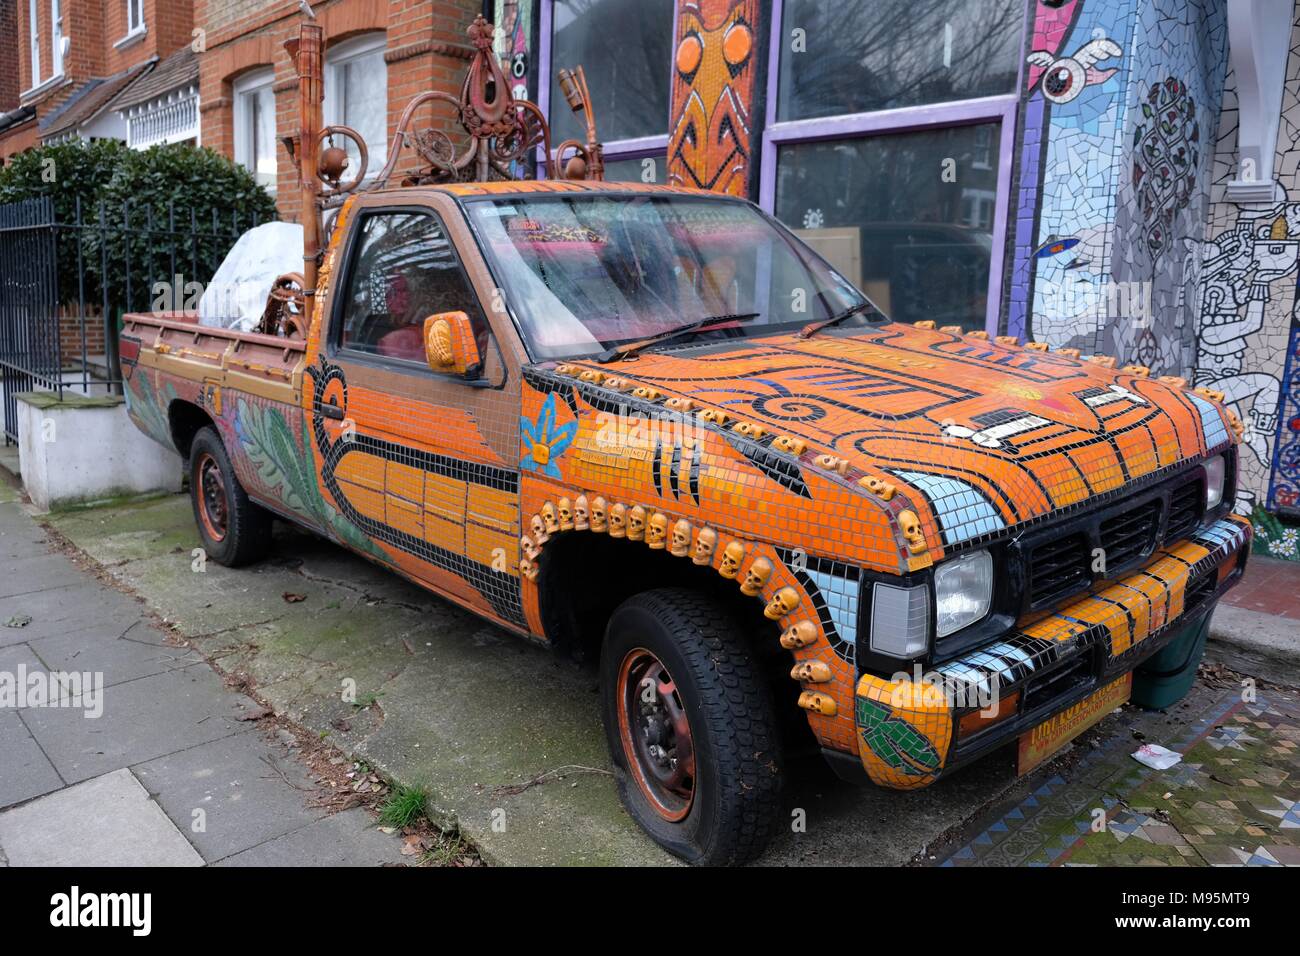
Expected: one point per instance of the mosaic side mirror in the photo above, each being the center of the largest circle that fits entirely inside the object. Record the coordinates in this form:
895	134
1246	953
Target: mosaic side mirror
450	345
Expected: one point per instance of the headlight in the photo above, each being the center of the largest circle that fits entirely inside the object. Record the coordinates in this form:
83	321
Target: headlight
900	620
1215	471
963	589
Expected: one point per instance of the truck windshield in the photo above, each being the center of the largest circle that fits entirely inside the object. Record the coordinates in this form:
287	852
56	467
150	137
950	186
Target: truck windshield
587	272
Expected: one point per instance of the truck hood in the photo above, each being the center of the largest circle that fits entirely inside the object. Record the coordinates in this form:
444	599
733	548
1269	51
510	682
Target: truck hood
985	435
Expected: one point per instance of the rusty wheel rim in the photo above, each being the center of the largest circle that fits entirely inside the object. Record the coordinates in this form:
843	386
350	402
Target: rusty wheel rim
656	735
213	506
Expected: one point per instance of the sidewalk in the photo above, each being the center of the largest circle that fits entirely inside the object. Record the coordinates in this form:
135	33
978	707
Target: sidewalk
1233	800
174	772
1256	629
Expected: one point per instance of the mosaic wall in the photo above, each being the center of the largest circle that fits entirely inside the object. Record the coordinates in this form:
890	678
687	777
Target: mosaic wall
1248	330
715	78
1120	100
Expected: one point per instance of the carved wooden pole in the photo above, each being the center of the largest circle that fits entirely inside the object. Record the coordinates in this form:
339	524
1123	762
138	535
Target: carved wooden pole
306	53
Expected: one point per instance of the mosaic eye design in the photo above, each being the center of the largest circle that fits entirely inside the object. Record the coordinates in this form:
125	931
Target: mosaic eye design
543	441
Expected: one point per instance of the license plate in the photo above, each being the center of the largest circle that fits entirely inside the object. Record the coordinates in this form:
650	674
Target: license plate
1054	733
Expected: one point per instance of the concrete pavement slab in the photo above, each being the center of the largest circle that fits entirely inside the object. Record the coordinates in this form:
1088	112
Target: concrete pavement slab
248	790
142	719
63	610
15	654
25	771
39	572
107	821
117	657
345	839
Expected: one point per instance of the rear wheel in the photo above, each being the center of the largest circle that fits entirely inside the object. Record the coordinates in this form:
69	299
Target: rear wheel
690	727
234	530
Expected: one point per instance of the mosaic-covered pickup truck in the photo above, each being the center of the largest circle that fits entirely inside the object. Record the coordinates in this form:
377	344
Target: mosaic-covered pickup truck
650	428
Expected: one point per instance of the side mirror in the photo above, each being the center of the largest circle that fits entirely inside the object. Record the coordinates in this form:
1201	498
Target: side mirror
450	345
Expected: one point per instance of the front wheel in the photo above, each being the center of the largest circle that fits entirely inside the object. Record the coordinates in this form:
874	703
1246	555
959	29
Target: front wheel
690	727
234	530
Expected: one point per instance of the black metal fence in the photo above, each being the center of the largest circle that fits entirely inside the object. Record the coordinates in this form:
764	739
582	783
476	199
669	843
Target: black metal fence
64	286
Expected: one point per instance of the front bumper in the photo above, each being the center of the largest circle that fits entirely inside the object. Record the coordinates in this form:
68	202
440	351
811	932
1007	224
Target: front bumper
908	729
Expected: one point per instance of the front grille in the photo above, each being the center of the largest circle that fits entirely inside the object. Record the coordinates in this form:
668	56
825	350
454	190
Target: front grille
1057	684
1184	510
1199	589
1058	568
1129	536
1059	560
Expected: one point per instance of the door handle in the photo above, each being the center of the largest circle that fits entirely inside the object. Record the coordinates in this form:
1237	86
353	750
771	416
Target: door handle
330	410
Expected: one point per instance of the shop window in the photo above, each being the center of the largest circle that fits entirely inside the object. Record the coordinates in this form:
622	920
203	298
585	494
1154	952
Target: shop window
907	217
255	126
860	57
646	169
356	95
625	48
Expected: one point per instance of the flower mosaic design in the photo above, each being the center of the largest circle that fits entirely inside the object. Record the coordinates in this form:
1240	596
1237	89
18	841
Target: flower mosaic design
544	441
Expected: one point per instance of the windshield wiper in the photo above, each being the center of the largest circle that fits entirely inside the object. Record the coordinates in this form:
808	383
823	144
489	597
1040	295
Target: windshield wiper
702	325
812	328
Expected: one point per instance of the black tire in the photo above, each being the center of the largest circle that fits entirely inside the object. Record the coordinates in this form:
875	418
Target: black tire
243	532
735	802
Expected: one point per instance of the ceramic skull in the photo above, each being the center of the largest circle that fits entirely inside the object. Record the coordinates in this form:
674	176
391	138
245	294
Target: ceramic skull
529	548
910	525
599	508
538	527
565	508
656	531
581	514
731	557
636	523
799	635
756	576
548	515
705	542
681	545
783	602
617	521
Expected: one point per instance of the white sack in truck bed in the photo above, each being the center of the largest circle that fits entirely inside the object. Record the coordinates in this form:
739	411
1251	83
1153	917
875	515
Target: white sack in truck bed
236	297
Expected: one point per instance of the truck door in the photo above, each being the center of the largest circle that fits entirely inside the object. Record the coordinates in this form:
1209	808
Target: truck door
422	461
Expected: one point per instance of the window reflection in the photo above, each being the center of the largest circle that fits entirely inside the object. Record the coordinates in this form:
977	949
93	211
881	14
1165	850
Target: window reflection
651	169
907	217
881	54
625	48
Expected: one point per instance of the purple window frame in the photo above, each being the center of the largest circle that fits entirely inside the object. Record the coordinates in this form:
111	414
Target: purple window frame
637	148
1001	108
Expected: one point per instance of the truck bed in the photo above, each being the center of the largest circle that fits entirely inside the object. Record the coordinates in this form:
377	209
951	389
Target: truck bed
175	343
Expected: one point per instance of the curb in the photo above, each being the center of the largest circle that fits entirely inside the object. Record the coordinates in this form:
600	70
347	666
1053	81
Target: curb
1261	645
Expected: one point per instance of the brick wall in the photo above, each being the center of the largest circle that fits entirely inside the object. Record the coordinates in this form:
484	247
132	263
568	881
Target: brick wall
70	332
9	87
95	29
421	37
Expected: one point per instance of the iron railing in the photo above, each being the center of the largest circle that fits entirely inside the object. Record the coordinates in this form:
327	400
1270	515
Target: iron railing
64	285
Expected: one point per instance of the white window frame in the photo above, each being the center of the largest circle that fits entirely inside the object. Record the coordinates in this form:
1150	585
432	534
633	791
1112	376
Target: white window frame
34	31
134	9
252	82
339	55
56	37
